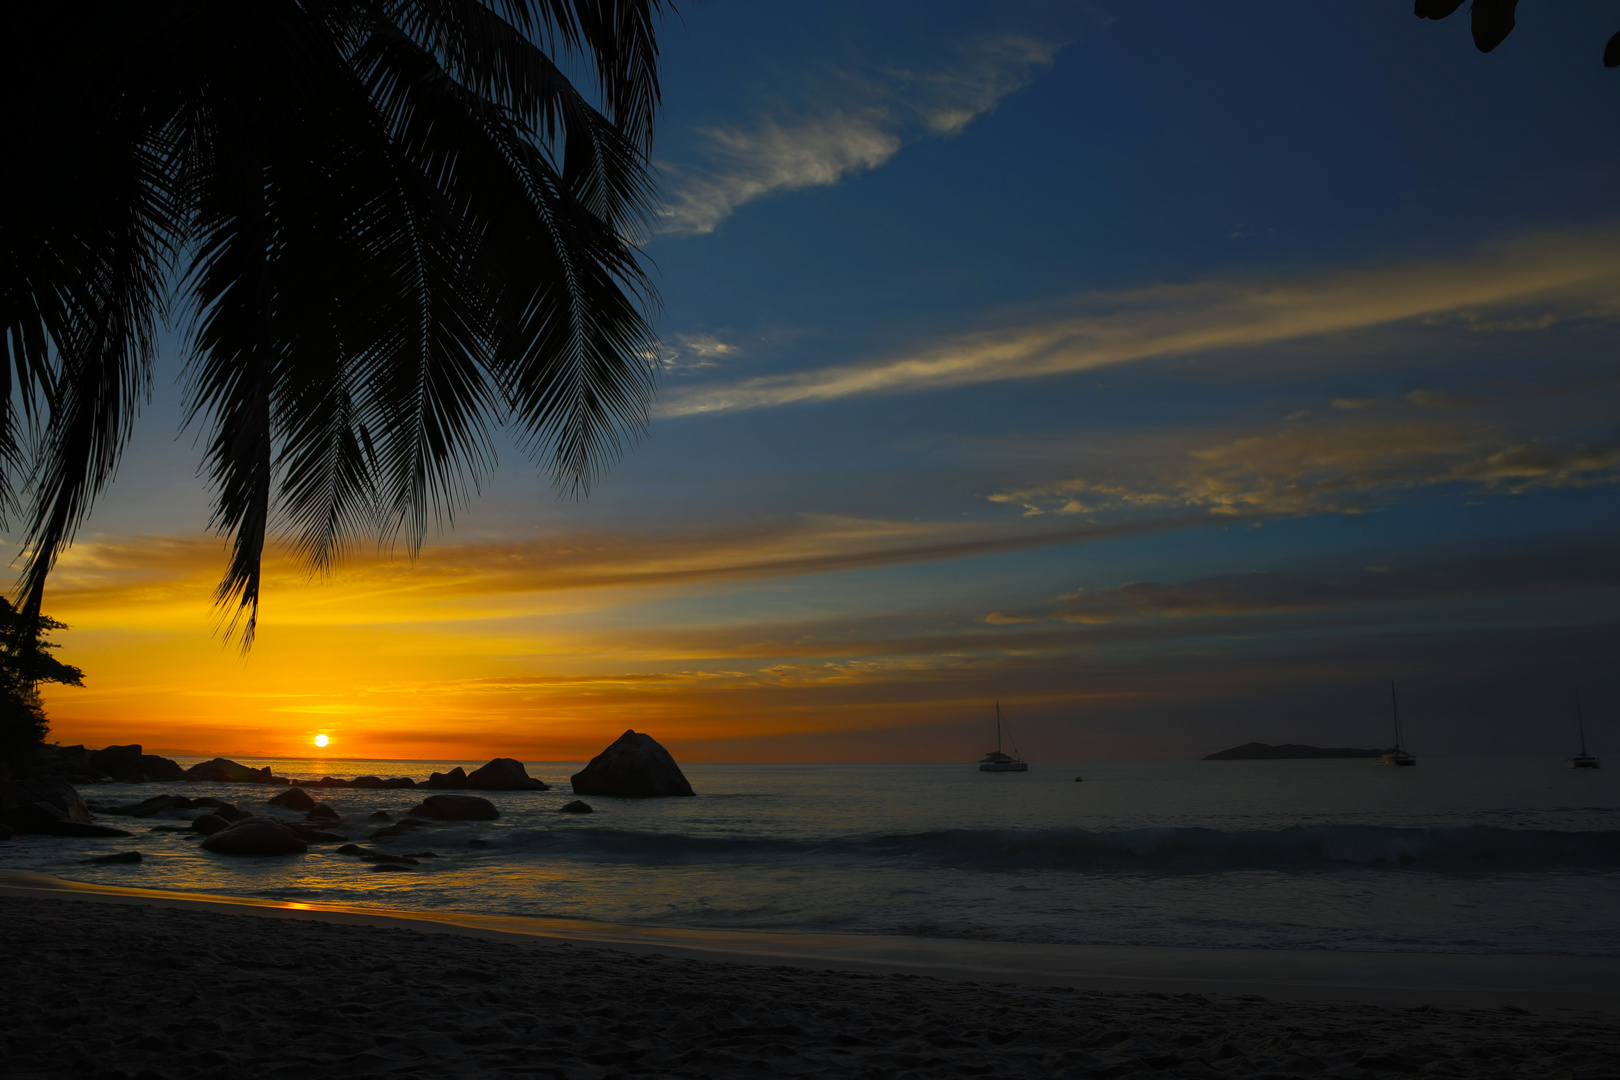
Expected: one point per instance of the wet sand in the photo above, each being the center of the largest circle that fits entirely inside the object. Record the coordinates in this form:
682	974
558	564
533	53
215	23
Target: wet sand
114	984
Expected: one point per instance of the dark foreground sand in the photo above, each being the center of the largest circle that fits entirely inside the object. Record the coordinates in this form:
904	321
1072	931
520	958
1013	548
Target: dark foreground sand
116	990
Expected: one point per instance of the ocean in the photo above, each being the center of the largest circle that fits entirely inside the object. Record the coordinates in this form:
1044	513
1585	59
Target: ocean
1478	855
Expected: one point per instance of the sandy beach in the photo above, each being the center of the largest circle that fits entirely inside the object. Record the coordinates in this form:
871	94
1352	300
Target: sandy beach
134	988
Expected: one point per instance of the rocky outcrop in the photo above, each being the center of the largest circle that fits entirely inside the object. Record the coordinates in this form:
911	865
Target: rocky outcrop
499	774
457	808
128	763
504	774
49	805
455	778
1259	751
293	799
256	836
224	771
634	767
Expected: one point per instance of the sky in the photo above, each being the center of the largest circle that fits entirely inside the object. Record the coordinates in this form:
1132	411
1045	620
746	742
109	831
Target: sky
1177	375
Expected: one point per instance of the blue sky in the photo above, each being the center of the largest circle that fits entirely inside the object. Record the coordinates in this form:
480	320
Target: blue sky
1177	373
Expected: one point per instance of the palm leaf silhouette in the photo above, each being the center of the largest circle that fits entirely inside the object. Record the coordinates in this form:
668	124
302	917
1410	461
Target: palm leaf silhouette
393	227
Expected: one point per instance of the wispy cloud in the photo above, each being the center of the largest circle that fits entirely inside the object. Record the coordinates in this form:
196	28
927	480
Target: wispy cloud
1551	571
876	114
1576	274
1333	466
147	581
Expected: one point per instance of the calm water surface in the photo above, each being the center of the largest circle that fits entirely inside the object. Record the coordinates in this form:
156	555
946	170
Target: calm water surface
1458	855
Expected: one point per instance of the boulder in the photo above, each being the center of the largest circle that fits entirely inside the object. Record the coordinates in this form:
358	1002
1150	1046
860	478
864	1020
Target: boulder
330	781
222	771
128	763
323	812
455	778
256	836
367	782
293	799
457	808
115	857
155	805
399	782
578	806
54	791
209	824
381	815
634	767
503	774
231	813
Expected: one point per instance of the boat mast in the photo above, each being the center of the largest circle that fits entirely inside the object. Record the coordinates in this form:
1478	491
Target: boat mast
1579	723
1395	712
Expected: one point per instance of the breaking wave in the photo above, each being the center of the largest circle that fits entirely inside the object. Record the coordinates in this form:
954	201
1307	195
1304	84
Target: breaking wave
1455	849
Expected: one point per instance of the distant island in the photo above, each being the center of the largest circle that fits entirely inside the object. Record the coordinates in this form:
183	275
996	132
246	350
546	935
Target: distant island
1259	751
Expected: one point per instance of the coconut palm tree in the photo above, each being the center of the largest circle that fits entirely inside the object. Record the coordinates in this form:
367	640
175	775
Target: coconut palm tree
385	227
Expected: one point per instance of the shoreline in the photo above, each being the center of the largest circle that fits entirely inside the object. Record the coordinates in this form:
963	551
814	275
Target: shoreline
120	986
1540	983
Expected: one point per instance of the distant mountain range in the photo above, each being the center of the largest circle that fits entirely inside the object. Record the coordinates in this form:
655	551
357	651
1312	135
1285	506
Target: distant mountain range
1259	751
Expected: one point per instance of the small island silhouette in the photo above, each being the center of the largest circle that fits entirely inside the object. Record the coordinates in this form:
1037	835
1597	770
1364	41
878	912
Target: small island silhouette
1259	751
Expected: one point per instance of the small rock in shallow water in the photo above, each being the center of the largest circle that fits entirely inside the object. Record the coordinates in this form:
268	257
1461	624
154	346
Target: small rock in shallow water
381	815
457	808
323	812
210	824
350	849
293	799
256	836
578	806
115	857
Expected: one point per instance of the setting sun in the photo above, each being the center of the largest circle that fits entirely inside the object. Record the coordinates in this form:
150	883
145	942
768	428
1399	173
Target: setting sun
321	740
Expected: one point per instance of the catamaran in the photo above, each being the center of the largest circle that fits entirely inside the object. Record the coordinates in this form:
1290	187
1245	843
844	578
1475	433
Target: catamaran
1583	760
1395	755
995	760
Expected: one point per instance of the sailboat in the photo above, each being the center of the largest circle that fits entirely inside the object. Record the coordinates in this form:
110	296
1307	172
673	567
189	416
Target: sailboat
995	760
1583	760
1395	755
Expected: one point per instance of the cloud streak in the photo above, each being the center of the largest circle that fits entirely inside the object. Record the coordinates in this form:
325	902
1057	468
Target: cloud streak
1227	595
1579	273
1334	467
818	149
143	577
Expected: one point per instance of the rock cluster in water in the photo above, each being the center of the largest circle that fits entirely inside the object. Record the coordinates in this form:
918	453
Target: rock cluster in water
634	767
47	802
501	774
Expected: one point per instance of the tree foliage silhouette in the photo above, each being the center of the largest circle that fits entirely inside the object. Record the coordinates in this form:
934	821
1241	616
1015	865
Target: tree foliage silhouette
25	662
1493	20
387	227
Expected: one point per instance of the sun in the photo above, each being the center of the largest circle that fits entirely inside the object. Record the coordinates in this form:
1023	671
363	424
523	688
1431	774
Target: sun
321	740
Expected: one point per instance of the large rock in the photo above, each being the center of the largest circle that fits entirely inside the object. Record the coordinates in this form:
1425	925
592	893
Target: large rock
54	791
456	808
128	763
503	774
293	799
455	778
256	836
223	771
634	767
48	804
